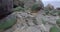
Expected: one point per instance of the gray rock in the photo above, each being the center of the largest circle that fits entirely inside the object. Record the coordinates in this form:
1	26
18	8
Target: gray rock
26	18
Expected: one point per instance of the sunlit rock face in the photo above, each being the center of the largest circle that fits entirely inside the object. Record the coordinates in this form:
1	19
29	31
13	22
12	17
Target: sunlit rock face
5	8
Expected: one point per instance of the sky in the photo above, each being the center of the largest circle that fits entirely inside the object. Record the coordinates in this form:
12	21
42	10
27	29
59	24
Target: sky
55	3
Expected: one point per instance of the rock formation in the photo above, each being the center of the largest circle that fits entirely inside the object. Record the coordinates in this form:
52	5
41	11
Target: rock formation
49	7
5	8
17	3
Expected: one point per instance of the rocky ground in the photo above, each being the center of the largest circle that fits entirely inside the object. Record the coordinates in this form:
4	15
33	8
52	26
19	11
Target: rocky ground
33	22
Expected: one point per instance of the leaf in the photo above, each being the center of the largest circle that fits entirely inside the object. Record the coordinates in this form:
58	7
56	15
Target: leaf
54	29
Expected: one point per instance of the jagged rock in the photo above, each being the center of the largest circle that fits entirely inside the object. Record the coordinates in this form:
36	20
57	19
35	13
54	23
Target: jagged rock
32	29
28	19
5	8
29	3
36	28
17	3
24	20
49	7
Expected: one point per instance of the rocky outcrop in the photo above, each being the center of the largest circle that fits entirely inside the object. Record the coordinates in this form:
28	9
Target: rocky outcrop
25	3
5	8
49	7
29	3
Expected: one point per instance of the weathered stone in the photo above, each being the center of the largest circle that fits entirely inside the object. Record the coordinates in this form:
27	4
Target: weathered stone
29	3
5	8
49	7
27	18
17	3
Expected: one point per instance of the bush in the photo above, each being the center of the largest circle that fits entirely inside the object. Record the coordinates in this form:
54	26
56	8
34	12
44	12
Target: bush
54	29
43	21
18	9
35	8
58	21
52	12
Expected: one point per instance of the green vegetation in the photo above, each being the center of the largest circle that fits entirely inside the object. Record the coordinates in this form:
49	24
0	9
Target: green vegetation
54	29
34	7
52	12
58	21
19	9
43	21
8	23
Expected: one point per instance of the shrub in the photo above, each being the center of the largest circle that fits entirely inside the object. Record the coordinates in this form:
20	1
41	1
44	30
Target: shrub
18	9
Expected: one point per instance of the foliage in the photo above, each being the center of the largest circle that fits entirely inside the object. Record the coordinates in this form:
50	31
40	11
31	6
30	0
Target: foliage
19	9
54	29
8	23
43	21
34	7
52	12
59	13
46	12
58	21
